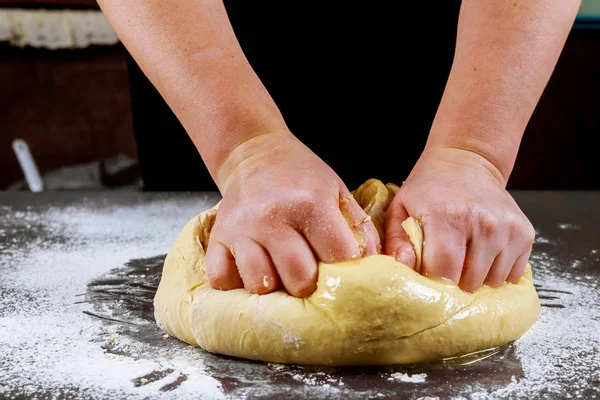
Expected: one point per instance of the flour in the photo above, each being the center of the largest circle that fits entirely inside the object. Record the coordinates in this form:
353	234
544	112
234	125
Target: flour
403	377
50	349
560	354
568	226
48	346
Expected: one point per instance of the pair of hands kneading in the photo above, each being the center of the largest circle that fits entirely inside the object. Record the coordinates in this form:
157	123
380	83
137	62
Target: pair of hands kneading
284	210
367	310
287	221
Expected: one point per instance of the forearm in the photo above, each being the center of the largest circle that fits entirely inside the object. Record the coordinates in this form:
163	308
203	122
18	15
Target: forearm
188	50
505	54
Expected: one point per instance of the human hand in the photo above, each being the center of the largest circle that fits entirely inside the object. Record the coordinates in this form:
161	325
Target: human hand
283	210
474	231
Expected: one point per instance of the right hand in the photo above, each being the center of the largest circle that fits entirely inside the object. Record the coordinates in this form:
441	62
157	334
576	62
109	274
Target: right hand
283	210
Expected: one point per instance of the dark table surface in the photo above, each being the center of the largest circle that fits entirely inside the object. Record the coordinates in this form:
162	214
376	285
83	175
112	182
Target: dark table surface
78	273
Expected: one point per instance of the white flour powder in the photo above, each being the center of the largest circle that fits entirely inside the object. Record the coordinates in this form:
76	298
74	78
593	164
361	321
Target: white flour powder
48	346
45	340
403	377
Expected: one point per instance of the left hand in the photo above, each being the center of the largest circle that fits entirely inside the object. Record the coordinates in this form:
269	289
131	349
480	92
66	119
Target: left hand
474	232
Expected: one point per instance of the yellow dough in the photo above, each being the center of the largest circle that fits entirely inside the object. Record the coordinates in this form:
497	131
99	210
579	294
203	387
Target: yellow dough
368	311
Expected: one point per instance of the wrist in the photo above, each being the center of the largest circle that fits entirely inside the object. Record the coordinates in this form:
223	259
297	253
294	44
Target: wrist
220	135
459	157
254	152
496	148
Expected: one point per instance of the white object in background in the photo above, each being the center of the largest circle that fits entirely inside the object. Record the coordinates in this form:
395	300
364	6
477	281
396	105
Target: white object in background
55	29
28	165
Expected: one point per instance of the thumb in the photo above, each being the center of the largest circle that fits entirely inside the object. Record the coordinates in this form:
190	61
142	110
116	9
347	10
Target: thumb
397	242
361	224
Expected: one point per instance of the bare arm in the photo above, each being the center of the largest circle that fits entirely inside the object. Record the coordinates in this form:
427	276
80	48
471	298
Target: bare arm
505	53
281	209
188	50
475	232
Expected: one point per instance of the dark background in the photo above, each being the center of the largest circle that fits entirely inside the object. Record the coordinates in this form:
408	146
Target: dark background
335	71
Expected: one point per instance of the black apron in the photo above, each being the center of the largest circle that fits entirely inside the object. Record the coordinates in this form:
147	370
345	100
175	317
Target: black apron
359	84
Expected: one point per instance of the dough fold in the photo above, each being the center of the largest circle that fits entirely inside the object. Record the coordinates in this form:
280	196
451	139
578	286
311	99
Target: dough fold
368	311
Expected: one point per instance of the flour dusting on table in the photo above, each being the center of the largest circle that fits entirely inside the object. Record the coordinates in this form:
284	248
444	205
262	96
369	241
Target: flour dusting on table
50	347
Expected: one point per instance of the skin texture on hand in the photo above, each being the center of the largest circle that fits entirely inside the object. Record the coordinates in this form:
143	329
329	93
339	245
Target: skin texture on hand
283	210
281	204
505	53
474	232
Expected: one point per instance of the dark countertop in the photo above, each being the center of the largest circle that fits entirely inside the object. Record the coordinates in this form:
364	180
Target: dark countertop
78	273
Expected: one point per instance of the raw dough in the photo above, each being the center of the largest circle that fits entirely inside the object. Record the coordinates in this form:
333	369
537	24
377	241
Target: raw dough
372	310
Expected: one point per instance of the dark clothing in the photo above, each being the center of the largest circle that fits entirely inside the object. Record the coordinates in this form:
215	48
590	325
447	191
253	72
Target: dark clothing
348	78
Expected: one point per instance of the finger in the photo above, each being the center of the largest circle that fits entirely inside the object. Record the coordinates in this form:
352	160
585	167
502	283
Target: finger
294	261
330	236
363	228
480	256
500	269
520	264
221	269
518	268
255	267
397	242
444	252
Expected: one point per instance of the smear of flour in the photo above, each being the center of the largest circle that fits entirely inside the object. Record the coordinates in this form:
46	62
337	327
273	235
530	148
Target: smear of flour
560	354
568	226
404	377
48	257
48	346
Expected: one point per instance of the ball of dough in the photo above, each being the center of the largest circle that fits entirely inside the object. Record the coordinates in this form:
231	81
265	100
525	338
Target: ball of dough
367	311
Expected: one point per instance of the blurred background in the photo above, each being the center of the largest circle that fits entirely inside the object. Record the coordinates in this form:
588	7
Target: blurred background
66	97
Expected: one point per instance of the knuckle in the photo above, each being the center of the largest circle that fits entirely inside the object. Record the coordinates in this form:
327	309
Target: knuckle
457	214
302	287
520	228
529	233
471	287
305	200
514	224
217	278
447	262
450	256
494	281
291	262
472	280
488	223
516	273
259	287
302	277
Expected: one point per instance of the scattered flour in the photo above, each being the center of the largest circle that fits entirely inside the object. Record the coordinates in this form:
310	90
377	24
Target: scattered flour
568	226
560	354
50	349
48	346
403	377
